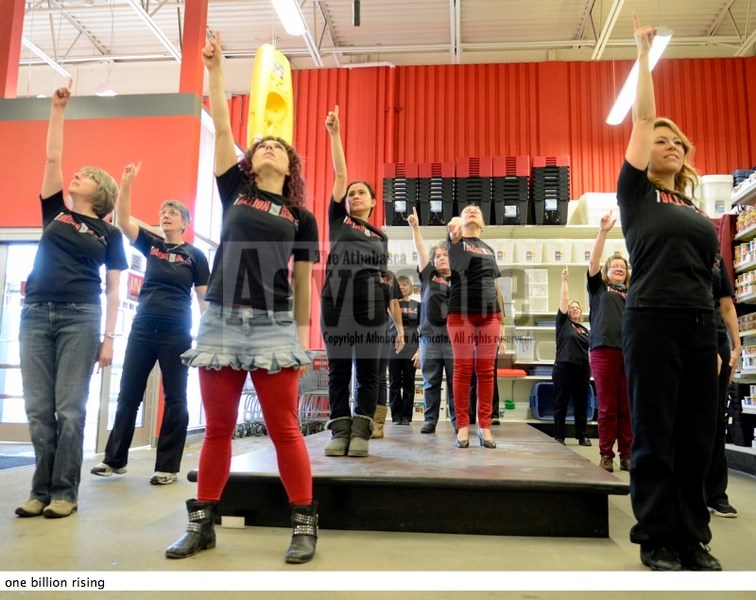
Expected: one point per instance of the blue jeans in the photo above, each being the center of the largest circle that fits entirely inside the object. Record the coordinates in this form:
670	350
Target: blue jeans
59	346
435	358
153	339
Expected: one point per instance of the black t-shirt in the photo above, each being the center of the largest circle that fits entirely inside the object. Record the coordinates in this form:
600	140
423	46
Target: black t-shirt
571	341
473	280
259	236
170	274
434	294
672	245
607	304
71	251
721	288
357	259
410	310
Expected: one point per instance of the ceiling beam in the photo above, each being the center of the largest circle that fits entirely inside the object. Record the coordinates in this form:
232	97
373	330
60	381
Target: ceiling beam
585	20
159	34
606	31
746	45
80	28
44	56
714	25
326	16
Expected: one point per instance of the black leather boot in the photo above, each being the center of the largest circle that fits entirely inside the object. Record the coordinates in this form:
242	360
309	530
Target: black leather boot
304	520
200	532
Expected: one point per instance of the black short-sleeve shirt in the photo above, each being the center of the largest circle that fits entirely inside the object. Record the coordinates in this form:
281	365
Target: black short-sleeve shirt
571	341
672	245
473	280
357	259
721	288
607	305
71	251
258	238
434	297
171	272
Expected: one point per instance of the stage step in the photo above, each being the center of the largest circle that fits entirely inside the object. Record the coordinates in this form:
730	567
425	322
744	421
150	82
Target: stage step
412	482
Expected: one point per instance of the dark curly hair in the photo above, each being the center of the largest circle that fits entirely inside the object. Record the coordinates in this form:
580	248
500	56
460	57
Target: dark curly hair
294	185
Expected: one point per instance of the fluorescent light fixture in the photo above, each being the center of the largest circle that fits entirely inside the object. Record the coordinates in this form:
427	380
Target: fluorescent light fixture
627	94
104	89
290	15
43	55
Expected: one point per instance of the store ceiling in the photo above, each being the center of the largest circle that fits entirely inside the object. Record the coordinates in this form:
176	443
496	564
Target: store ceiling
107	43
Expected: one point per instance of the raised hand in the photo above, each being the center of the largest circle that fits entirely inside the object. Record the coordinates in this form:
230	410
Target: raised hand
130	171
62	95
212	53
565	274
455	229
644	35
332	120
412	219
607	222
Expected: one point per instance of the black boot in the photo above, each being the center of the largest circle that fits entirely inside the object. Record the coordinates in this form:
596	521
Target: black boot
304	520
200	532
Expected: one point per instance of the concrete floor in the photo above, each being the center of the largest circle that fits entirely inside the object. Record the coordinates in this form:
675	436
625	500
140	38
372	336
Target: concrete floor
124	524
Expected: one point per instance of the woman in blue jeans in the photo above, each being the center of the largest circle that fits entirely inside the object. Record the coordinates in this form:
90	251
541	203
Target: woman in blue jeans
161	332
60	320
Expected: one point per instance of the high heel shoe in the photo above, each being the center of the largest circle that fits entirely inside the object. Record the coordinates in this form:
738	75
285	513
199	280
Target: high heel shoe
463	443
484	442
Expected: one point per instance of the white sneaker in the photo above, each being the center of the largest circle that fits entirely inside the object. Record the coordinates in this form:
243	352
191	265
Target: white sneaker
104	470
162	478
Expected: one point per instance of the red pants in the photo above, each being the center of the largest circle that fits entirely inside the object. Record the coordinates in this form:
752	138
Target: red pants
608	368
278	396
474	341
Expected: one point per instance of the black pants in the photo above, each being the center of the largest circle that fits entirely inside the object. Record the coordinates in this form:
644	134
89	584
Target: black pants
670	361
401	388
716	479
571	382
351	344
152	340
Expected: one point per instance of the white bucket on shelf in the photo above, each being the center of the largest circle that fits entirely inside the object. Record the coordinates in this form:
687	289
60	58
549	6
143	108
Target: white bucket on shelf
528	251
716	194
557	251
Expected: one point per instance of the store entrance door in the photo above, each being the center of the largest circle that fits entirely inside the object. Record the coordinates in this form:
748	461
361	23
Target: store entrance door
16	260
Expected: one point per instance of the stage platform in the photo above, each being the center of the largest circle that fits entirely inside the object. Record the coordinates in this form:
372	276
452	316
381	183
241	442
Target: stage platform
413	482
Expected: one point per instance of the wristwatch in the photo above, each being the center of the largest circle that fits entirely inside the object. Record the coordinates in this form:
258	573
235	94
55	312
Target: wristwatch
110	335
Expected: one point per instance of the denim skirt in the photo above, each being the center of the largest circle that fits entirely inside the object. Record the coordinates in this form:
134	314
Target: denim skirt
246	339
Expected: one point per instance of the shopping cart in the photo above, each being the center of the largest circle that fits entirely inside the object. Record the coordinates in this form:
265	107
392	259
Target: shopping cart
314	409
250	414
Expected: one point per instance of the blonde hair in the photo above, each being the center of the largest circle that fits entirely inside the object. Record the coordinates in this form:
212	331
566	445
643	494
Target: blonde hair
106	192
687	177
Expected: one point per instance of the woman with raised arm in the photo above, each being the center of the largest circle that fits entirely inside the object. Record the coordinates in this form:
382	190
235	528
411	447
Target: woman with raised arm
607	288
435	352
160	333
475	321
353	306
669	336
61	317
248	327
572	373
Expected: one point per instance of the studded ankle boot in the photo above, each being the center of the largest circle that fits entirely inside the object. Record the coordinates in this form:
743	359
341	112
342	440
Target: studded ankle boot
304	537
200	532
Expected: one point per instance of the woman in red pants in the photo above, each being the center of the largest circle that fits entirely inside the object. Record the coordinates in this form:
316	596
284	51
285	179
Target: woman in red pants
475	322
249	326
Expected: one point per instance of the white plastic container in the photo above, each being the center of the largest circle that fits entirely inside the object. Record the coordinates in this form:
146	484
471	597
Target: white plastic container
524	348
557	251
612	247
546	350
594	205
581	251
716	194
504	251
537	275
528	251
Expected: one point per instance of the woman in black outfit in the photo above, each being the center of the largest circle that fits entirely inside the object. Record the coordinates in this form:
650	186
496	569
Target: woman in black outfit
572	372
353	307
401	366
669	337
160	333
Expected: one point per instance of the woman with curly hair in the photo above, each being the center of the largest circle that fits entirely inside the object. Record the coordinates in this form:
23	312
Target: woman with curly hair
249	326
